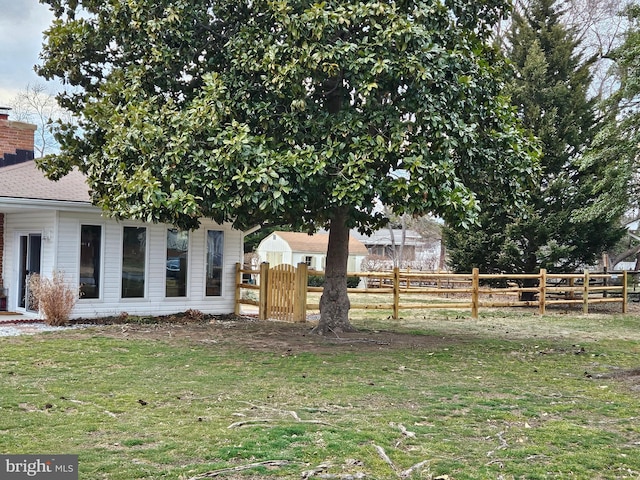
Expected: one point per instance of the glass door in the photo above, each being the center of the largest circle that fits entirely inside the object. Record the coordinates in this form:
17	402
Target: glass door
30	258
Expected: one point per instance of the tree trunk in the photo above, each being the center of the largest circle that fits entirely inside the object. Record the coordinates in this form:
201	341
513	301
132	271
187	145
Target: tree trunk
334	303
530	267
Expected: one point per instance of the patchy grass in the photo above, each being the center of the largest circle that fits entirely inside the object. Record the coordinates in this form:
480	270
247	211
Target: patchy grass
506	396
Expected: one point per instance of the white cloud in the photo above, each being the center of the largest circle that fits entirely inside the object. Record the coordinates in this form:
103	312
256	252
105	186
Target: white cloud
21	23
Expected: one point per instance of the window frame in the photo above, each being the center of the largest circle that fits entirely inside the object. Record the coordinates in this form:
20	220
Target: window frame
206	262
145	294
187	285
100	279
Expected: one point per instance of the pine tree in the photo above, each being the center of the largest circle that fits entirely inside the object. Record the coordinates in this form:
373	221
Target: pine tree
550	89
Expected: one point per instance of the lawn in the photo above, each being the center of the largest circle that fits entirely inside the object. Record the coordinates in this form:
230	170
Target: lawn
434	395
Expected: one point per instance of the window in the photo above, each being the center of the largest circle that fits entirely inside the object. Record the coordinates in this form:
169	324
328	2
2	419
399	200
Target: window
307	260
177	256
90	252
214	263
134	247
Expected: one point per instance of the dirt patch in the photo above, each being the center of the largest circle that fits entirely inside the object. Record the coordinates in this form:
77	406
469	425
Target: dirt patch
630	377
248	332
282	338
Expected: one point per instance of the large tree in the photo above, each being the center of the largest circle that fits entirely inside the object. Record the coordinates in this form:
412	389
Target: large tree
618	142
553	230
297	112
37	105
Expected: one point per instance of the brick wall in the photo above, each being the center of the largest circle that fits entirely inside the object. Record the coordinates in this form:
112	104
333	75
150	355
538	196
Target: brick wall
16	141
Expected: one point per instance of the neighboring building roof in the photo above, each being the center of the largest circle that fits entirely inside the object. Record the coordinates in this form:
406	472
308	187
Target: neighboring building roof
26	181
624	266
318	243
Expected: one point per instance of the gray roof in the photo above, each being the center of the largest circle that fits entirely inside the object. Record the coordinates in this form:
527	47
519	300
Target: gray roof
26	181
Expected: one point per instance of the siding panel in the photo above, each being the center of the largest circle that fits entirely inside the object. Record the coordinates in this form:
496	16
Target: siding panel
63	253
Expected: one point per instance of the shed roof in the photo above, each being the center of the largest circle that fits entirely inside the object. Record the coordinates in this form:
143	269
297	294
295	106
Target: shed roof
26	181
317	243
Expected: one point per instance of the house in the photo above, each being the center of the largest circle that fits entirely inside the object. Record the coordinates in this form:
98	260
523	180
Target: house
292	248
389	242
117	266
411	251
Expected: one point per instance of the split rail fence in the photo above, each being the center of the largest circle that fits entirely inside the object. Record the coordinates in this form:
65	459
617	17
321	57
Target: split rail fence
280	292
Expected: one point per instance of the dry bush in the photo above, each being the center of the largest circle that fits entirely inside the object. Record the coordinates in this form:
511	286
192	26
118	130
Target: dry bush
53	297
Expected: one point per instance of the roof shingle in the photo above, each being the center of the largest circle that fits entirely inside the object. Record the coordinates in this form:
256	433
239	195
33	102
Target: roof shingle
26	181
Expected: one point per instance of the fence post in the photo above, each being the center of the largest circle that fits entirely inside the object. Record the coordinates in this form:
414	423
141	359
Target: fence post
624	292
475	292
264	289
543	291
585	293
236	309
300	294
396	293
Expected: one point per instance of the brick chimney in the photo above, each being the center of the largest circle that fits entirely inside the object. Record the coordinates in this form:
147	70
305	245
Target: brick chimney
16	140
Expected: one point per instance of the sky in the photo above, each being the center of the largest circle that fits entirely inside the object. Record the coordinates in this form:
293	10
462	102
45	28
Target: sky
21	25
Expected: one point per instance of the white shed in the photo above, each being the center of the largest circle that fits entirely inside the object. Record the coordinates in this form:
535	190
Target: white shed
292	248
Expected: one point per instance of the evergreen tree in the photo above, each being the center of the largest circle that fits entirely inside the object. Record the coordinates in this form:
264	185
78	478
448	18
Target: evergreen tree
550	90
617	144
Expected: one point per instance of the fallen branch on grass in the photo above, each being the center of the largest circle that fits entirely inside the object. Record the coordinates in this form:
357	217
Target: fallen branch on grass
291	413
341	476
386	458
404	473
320	472
503	444
257	421
239	468
248	423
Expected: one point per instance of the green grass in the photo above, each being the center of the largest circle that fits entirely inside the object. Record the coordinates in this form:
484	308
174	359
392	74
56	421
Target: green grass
507	396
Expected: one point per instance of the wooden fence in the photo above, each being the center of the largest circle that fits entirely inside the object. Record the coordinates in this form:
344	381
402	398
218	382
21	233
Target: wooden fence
435	290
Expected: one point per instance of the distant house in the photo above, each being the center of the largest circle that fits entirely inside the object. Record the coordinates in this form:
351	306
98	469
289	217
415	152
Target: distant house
389	243
117	266
292	248
413	251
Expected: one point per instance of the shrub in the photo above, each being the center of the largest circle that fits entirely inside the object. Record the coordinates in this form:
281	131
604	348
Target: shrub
53	297
318	281
315	280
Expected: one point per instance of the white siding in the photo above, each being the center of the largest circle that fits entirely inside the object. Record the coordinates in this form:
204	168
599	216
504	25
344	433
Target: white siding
275	250
61	252
317	260
23	223
155	302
